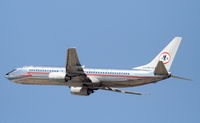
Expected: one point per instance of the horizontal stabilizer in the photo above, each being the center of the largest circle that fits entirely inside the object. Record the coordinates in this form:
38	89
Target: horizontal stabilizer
177	77
160	69
121	91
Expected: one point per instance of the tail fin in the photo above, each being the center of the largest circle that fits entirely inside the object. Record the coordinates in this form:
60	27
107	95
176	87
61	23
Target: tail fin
167	56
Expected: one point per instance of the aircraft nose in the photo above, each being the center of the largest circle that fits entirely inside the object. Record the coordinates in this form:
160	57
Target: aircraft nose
6	76
10	74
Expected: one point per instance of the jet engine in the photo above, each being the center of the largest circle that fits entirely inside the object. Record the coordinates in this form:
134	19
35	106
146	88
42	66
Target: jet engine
81	91
57	76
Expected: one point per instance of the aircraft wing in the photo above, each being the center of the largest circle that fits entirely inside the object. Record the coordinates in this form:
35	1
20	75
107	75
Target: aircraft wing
72	63
121	91
74	68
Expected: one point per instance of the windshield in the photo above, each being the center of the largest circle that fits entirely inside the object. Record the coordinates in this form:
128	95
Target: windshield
11	71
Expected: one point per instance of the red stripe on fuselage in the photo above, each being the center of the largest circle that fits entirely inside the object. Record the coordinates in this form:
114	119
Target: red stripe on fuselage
30	74
24	75
88	75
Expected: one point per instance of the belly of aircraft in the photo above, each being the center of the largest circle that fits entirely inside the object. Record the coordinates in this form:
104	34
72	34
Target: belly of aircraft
129	83
37	81
103	82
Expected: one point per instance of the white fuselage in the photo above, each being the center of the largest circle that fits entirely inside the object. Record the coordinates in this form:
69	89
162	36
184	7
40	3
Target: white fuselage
83	81
99	77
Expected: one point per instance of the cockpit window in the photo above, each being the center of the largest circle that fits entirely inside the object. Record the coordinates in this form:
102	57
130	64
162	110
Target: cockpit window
11	71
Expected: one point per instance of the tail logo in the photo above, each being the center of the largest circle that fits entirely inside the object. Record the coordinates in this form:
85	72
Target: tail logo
165	57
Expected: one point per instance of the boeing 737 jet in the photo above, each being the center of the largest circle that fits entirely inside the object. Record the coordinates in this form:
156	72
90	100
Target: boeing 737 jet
84	81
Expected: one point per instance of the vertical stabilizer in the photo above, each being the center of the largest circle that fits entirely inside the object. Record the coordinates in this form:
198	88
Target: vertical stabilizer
167	56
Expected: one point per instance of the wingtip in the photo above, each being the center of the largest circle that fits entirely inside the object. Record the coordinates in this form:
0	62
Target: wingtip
178	38
72	48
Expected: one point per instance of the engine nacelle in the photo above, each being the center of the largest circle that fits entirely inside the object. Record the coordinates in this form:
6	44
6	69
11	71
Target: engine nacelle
57	76
81	91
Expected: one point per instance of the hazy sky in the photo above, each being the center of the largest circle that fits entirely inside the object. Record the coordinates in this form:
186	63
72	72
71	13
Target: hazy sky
107	34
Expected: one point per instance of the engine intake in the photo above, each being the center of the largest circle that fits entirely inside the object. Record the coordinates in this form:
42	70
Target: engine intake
82	91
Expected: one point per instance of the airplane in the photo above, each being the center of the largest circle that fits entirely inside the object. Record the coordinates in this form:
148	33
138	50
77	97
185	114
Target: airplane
85	81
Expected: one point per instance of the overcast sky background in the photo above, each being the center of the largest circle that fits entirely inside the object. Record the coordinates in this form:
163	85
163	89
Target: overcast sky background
107	34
